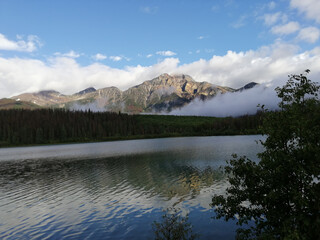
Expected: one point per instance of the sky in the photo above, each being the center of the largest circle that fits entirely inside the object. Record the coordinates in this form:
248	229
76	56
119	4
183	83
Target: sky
72	45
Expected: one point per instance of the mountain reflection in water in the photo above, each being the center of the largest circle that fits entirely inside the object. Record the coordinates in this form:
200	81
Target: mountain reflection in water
118	196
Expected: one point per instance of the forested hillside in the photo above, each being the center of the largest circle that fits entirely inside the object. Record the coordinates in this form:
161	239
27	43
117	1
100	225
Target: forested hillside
46	126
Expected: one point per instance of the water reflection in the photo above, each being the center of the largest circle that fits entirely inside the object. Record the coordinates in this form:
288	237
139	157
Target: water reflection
114	196
157	174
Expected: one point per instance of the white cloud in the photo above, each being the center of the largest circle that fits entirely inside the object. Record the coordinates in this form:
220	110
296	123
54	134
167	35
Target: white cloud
272	5
116	58
99	57
119	58
309	7
236	69
70	54
29	45
126	58
309	34
286	29
209	50
67	76
166	53
233	69
240	22
271	19
232	104
201	37
149	55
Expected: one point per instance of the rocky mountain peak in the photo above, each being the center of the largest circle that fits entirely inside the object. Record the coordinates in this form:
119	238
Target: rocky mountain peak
48	92
184	77
248	86
87	90
164	76
166	80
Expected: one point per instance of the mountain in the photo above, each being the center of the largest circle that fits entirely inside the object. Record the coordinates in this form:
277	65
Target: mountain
6	103
43	98
167	92
247	86
87	90
162	93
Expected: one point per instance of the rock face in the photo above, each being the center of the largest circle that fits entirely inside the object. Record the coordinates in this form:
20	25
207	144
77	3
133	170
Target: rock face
87	90
162	93
167	92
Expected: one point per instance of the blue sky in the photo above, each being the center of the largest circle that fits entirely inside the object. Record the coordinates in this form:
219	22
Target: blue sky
124	42
135	30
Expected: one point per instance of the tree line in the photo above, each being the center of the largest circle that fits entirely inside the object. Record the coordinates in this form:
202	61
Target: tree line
46	126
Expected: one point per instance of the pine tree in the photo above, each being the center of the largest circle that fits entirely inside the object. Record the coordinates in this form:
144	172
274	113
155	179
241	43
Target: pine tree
281	193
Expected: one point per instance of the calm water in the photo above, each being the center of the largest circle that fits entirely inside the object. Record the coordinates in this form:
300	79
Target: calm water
115	190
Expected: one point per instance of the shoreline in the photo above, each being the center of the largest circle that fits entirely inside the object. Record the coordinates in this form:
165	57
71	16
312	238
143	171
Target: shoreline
115	139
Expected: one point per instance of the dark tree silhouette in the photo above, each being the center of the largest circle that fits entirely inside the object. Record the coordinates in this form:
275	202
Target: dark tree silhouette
281	193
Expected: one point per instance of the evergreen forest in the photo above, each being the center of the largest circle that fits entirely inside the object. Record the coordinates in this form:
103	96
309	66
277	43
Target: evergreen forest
51	126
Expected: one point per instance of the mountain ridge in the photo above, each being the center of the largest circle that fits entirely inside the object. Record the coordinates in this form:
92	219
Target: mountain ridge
163	93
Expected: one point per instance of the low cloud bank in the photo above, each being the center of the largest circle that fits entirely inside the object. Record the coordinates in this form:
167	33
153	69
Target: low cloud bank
233	104
95	106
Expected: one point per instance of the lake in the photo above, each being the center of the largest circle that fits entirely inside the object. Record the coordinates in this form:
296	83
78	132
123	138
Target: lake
115	190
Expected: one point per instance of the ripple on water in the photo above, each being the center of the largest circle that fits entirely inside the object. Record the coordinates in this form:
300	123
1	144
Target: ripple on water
115	197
